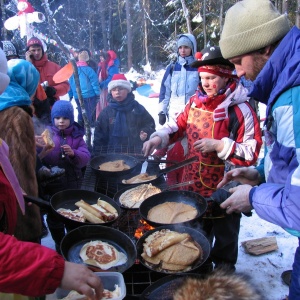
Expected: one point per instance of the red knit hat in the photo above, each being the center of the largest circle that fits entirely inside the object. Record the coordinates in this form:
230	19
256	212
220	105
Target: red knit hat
119	80
34	41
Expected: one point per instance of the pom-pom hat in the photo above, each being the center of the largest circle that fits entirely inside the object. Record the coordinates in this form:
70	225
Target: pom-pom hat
119	80
62	108
251	25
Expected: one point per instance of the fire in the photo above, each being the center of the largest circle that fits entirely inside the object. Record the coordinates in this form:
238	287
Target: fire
144	227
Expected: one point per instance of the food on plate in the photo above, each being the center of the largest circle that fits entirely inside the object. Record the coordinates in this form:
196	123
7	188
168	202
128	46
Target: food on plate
139	178
98	213
133	198
75	215
47	138
102	255
172	212
114	166
73	295
171	251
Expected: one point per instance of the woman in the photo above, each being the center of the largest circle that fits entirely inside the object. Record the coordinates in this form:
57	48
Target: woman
223	131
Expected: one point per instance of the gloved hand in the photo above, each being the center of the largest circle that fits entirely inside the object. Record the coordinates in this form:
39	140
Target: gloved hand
50	91
162	118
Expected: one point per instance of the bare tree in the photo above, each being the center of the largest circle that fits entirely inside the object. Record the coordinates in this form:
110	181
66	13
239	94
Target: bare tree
204	23
298	14
187	17
146	12
103	16
129	35
221	15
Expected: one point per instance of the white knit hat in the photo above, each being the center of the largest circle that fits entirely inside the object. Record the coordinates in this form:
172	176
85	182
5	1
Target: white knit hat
251	25
4	78
119	80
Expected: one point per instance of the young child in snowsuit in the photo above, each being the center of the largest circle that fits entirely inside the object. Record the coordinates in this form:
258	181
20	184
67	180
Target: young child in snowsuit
70	153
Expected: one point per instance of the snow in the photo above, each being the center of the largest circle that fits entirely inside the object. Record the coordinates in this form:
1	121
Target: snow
265	270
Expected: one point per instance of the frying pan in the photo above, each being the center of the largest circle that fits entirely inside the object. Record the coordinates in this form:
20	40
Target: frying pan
163	188
164	288
195	234
75	239
160	172
186	197
98	160
67	198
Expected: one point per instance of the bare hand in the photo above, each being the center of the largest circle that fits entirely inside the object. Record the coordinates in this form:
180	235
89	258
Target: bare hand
243	175
68	150
143	135
239	200
208	145
151	145
28	56
79	278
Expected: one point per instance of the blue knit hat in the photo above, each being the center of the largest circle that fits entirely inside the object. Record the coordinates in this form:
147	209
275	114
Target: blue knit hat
62	108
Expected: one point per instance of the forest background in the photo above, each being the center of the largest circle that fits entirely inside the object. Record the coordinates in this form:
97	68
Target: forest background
141	32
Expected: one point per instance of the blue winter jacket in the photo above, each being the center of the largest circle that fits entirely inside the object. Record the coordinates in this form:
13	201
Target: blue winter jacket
278	86
89	83
180	79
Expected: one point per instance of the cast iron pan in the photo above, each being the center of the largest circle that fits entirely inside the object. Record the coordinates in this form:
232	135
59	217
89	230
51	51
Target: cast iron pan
195	234
67	198
98	160
76	238
186	197
164	288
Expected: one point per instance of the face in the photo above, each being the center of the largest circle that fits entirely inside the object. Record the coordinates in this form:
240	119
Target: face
212	83
119	93
36	52
184	51
102	58
61	123
249	65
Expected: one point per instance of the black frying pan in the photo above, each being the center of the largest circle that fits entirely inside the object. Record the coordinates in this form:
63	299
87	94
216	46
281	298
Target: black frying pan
75	239
186	197
195	234
98	160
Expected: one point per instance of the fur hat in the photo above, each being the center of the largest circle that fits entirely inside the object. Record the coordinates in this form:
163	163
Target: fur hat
9	49
251	25
4	78
184	41
83	56
62	108
119	80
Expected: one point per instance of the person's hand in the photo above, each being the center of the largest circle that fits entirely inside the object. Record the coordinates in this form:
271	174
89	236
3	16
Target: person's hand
143	135
151	145
68	150
243	175
50	91
239	200
28	56
208	145
162	118
79	278
39	141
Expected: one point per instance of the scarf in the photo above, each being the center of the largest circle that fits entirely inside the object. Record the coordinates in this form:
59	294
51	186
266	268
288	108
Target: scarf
81	64
102	71
120	128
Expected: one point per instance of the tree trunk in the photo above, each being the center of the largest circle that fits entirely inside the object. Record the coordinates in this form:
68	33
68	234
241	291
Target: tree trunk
298	14
129	35
103	16
146	11
204	23
187	17
3	14
221	15
285	6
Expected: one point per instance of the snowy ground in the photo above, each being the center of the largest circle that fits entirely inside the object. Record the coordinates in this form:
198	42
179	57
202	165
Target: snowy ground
265	270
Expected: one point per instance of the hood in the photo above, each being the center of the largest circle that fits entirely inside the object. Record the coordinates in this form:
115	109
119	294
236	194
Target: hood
192	39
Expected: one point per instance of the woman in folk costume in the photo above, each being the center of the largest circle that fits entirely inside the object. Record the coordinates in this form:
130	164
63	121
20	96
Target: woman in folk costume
223	131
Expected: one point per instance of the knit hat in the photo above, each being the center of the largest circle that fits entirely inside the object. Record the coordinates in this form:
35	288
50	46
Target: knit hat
4	78
62	108
119	80
83	56
34	41
184	41
251	25
9	48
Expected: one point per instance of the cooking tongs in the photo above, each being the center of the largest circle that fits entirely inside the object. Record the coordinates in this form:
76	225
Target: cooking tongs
178	165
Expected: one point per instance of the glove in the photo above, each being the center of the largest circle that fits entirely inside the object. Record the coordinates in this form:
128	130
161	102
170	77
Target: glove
50	91
162	118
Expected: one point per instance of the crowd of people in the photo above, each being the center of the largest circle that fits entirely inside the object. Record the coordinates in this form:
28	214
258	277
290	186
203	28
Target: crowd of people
204	110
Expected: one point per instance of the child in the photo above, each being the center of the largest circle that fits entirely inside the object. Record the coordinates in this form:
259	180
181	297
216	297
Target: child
70	153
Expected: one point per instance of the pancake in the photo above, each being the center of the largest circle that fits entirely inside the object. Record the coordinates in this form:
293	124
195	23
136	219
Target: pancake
114	166
143	177
102	255
75	215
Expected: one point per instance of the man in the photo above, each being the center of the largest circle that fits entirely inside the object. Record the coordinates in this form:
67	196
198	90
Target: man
259	41
43	103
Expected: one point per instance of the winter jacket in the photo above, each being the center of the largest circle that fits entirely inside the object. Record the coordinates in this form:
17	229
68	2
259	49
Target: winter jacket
138	119
180	80
73	136
88	83
113	65
47	69
233	121
278	86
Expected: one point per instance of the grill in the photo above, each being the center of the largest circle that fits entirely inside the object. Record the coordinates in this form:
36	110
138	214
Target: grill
138	277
